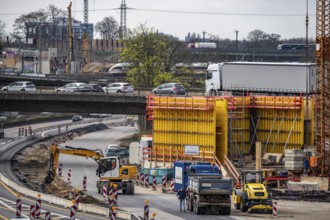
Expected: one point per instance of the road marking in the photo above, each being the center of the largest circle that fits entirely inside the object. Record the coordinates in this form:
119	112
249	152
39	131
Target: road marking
3	142
9	141
4	218
10	208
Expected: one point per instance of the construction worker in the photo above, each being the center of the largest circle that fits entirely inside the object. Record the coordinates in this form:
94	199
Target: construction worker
182	197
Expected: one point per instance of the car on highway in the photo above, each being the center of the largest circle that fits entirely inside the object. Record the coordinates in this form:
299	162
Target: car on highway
90	88
77	118
120	87
20	86
70	87
115	150
170	88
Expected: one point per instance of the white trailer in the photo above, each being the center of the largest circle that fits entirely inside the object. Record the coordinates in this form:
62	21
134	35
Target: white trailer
260	77
205	45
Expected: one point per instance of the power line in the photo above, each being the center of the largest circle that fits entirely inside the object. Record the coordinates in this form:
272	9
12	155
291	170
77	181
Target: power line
193	12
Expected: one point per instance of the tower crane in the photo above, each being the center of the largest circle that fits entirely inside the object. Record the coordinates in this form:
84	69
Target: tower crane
322	94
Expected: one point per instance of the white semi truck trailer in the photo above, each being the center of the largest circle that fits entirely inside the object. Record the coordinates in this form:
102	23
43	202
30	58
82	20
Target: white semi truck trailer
260	77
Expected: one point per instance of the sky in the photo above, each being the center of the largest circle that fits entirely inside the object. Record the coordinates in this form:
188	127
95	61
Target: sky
178	17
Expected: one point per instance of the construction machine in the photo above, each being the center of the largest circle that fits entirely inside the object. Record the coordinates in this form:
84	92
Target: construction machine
109	169
252	196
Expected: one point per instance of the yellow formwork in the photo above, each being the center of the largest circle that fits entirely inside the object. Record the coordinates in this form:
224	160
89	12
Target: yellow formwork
182	121
225	125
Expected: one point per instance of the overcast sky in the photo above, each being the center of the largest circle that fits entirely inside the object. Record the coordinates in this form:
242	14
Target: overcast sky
178	17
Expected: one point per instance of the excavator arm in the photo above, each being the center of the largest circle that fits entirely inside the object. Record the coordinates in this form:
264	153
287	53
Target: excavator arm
55	152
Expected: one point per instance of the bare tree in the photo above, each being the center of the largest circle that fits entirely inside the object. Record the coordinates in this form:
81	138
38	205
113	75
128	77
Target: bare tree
55	17
108	28
28	23
2	31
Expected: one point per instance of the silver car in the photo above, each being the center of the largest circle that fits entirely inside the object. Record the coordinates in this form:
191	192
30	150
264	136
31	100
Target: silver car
20	86
170	88
70	87
121	87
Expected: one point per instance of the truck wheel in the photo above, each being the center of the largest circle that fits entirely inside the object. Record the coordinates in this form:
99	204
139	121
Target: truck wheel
238	206
128	188
132	188
225	210
243	202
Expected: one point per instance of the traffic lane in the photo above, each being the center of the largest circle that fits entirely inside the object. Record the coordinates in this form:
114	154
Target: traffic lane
8	203
13	131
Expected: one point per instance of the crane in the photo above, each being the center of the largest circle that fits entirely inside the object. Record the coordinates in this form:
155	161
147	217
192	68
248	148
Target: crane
322	94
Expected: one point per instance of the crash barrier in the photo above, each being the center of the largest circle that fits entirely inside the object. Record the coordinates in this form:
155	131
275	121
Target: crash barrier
32	212
146	180
172	184
104	191
73	212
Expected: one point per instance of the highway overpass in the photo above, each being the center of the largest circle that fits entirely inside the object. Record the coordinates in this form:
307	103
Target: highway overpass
73	103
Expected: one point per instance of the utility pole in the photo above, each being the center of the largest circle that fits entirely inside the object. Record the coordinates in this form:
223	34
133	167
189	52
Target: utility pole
40	55
236	31
68	67
204	32
307	52
123	27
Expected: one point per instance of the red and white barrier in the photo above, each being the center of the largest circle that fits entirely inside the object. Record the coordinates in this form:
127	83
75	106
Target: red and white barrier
69	175
154	180
104	190
32	212
38	207
164	183
18	207
142	179
110	191
85	183
146	180
146	210
274	209
60	169
172	184
48	216
113	213
76	199
115	194
73	212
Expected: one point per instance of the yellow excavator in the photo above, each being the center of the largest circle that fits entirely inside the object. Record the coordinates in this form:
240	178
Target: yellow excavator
252	196
109	168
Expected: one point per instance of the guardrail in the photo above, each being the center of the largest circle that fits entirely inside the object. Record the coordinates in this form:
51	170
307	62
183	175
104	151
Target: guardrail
59	201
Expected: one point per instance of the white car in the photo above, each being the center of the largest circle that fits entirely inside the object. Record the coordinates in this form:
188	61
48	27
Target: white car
21	86
70	87
120	87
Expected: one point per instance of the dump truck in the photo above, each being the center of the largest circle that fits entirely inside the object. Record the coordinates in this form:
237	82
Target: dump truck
252	196
109	170
207	190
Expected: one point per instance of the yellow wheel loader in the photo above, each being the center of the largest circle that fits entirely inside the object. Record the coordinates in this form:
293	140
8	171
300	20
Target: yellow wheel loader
252	196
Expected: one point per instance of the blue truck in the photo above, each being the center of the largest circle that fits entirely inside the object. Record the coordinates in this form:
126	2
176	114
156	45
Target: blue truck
207	190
